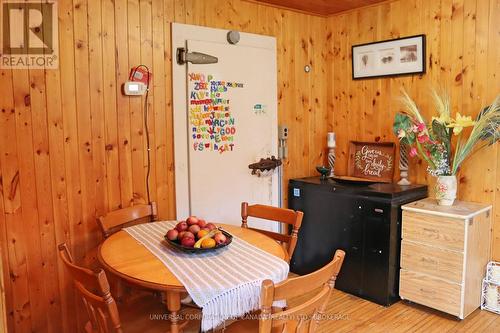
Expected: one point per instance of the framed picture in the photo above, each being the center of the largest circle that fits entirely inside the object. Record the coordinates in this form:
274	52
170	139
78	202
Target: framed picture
393	57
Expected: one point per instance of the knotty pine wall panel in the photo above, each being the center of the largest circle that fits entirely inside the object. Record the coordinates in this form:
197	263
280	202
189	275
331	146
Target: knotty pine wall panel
463	58
73	147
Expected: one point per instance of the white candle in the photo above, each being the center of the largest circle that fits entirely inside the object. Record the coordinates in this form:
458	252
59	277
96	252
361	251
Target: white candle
330	140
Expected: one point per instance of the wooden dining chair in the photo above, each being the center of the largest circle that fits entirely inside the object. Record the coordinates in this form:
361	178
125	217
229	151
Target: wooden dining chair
114	221
303	318
94	290
287	216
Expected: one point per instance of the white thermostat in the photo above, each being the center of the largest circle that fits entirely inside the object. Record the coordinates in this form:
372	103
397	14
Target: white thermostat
134	88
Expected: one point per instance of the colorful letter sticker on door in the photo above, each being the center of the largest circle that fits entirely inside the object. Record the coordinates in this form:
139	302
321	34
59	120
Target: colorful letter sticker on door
212	126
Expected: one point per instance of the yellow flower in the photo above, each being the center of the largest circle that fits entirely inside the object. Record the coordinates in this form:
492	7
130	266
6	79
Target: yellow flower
443	119
460	123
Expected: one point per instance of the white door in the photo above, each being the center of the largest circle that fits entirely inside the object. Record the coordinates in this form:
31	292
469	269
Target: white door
230	122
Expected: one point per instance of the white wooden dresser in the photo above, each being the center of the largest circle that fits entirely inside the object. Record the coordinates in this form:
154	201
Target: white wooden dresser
444	253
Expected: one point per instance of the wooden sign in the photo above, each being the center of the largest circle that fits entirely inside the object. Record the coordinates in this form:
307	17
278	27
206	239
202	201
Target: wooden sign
372	160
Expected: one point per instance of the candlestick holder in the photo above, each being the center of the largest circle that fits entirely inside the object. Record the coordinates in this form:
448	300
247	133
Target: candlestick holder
403	164
331	161
331	143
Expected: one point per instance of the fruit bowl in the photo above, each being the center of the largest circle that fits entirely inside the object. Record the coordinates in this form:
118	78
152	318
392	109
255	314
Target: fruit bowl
190	249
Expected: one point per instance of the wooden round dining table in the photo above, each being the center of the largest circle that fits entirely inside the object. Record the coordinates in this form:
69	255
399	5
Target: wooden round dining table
125	257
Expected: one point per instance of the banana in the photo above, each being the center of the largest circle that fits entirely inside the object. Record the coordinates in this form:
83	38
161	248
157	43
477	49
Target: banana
212	233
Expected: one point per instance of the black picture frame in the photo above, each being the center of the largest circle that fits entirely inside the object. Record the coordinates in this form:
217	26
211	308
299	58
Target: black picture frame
412	46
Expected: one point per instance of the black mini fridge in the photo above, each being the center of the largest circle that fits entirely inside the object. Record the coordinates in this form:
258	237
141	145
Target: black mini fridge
363	220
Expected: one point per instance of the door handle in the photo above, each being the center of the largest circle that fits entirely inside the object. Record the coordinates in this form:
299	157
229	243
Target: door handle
265	164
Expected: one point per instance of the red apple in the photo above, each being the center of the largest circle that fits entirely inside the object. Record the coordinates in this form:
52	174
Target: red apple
188	234
192	220
211	226
181	226
188	241
220	238
202	223
181	234
194	228
172	234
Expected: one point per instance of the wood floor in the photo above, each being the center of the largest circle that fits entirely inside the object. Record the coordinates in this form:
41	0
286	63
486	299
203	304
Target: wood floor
353	314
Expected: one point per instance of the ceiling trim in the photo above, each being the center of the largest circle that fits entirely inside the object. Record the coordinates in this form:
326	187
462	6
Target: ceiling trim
362	7
267	4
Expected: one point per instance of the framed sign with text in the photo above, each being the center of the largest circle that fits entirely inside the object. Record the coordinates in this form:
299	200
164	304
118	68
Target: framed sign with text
372	160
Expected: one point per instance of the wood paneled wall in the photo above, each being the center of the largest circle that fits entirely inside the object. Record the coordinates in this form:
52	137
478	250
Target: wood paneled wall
463	58
73	147
3	310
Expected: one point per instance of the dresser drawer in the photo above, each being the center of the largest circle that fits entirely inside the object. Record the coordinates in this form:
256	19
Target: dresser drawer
429	291
434	230
441	263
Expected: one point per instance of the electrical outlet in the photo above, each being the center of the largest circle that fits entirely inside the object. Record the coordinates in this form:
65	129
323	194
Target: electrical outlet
282	132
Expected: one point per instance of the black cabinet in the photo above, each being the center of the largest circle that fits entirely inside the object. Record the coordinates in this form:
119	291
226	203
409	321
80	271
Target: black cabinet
362	220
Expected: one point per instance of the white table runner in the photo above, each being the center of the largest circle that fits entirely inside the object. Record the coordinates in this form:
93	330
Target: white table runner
225	283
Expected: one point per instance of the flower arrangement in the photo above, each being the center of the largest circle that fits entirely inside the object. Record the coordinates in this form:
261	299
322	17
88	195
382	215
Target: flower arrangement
432	140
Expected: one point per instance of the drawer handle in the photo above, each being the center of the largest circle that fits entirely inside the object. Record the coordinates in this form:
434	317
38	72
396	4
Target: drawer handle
429	261
426	291
434	231
378	210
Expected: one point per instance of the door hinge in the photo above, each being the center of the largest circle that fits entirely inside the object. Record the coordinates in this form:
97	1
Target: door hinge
183	56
